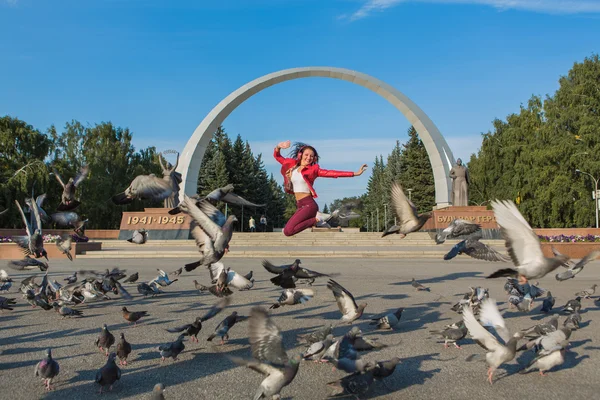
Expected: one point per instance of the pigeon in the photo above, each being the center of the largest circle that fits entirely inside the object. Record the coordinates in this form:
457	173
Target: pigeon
157	392
105	340
133	316
216	309
139	236
109	373
497	353
66	311
385	368
68	201
123	349
72	278
249	276
64	246
172	350
576	268
586	294
286	277
418	286
177	272
356	384
145	187
318	349
6	303
291	297
271	358
542	329
47	369
214	290
522	244
547	341
190	330
210	229
228	277
475	249
68	219
28	261
546	360
452	334
548	303
226	195
573	305
223	328
362	343
345	301
131	278
145	289
408	219
387	321
458	227
33	243
316	336
163	278
573	321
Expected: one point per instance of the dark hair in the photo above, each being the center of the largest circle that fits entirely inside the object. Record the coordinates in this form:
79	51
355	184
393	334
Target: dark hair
298	148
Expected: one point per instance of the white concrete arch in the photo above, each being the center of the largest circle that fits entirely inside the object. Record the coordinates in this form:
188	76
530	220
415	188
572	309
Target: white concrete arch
439	153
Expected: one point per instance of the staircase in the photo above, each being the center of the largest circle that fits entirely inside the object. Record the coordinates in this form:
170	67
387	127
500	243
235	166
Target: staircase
305	244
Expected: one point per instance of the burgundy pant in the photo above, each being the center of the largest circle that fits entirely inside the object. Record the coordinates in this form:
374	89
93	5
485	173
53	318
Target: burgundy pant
303	218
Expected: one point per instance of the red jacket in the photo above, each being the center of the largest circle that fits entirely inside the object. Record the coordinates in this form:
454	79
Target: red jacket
309	173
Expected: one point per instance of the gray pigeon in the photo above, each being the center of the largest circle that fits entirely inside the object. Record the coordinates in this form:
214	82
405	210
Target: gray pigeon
346	303
573	321
452	334
109	374
131	278
210	229
105	340
64	246
157	392
271	358
172	349
574	269
547	341
144	187
192	330
316	336
66	311
458	227
292	297
33	243
386	368
26	262
573	305
226	195
542	329
387	321
497	353
139	236
546	360
406	212
418	286
317	350
356	384
68	201
475	249
523	245
588	293
548	303
223	328
123	349
47	369
216	309
72	278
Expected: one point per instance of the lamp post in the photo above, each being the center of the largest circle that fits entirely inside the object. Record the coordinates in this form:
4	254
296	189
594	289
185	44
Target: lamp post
595	192
385	217
377	219
410	194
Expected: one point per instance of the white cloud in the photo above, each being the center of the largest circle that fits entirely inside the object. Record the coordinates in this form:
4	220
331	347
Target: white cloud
11	2
543	6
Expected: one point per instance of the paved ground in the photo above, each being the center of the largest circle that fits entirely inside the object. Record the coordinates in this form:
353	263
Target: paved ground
202	372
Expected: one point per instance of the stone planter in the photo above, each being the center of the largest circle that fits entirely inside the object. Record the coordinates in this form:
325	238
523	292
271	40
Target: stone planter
574	250
11	251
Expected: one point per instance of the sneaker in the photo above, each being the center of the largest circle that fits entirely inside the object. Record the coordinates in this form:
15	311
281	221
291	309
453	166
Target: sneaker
319	217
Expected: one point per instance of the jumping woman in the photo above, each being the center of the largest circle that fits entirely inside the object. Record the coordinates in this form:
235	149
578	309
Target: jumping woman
299	174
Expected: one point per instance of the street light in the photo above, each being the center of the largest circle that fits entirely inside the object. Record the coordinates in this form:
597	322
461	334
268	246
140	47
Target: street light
385	217
377	219
410	194
595	192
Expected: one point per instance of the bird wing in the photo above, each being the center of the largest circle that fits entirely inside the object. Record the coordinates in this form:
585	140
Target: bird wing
303	295
264	369
522	243
568	264
481	251
343	297
461	227
212	212
274	269
57	176
478	332
403	209
233	198
83	173
151	187
27	227
204	221
265	338
36	213
215	270
490	316
592	255
238	281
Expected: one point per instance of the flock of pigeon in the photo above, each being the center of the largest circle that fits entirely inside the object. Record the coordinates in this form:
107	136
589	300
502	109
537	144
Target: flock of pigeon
213	231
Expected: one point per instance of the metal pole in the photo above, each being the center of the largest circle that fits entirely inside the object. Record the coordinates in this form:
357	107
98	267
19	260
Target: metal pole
377	219
385	217
242	218
372	225
367	224
596	195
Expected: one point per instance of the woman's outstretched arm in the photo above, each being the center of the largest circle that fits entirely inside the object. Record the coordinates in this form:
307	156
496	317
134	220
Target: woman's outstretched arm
277	153
330	173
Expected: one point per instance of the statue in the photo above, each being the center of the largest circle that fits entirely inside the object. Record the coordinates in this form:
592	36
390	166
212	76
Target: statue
169	174
460	184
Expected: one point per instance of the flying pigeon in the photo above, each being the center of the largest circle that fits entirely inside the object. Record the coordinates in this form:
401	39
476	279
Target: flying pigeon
574	269
406	212
458	227
190	330
33	243
475	249
144	187
345	301
68	201
291	297
64	246
223	328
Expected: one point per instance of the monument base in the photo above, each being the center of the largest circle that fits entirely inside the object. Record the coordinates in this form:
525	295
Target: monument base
158	222
477	214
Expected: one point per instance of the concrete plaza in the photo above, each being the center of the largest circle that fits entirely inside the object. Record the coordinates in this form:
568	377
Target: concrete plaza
203	372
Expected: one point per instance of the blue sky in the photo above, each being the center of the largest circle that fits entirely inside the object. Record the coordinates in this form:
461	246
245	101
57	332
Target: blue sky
158	67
